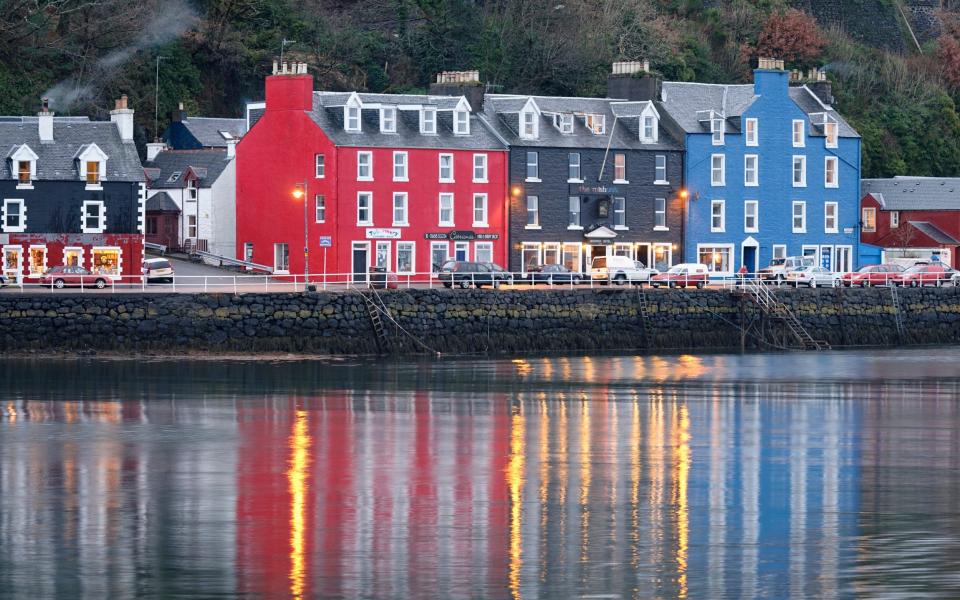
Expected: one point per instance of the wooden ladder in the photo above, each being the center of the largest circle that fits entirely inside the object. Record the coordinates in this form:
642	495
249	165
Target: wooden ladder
383	340
772	306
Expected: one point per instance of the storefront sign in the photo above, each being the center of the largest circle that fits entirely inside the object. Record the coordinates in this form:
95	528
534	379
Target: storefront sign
581	189
461	236
488	236
435	236
383	234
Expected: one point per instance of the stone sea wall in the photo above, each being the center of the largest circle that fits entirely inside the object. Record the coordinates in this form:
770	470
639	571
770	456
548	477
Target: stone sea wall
469	321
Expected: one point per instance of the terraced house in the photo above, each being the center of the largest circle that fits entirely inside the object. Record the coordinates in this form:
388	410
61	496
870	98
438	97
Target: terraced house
72	193
772	170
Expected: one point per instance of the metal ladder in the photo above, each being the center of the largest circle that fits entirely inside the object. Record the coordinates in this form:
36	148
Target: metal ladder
772	306
897	316
644	314
383	340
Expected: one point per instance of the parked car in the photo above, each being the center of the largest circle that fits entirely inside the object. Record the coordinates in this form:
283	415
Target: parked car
926	274
779	267
873	275
813	276
682	275
552	274
620	270
60	277
3	280
466	273
157	269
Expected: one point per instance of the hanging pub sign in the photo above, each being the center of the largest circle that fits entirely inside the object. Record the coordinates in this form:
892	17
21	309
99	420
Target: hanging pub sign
582	189
461	236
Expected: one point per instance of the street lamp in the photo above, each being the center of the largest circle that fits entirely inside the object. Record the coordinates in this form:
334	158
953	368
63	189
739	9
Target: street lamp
300	191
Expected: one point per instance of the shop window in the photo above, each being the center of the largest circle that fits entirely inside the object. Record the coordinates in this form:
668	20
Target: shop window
717	258
405	257
551	254
571	256
439	254
73	257
531	256
483	251
37	260
106	261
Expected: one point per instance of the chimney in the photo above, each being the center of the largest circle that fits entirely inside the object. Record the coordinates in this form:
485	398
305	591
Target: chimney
232	147
123	117
632	80
820	86
155	148
45	121
179	114
460	83
290	87
770	77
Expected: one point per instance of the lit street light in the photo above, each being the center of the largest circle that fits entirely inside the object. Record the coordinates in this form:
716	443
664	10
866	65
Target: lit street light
300	191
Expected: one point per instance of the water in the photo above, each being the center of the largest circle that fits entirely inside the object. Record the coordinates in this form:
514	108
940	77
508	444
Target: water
771	476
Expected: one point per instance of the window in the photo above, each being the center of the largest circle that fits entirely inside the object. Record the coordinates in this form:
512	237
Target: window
659	213
799	217
533	166
37	261
619	213
364	208
750	132
23	172
400	166
174	176
479	168
483	252
352	120
830	217
574	220
93	218
321	170
751	175
533	212
446	210
480	210
830	131
400	209
620	167
750	221
798	134
192	189
718	259
551	253
461	122
106	261
446	168
573	169
439	254
564	122
528	124
595	123
248	251
894	219
531	256
388	119
779	251
799	171
93	172
151	224
649	129
830	176
281	258
869	219
73	257
14	216
716	128
320	204
428	120
192	226
571	256
364	166
717	164
660	170
405	257
717	216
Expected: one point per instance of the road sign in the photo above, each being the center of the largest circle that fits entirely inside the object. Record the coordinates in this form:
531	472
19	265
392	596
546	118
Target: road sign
326	241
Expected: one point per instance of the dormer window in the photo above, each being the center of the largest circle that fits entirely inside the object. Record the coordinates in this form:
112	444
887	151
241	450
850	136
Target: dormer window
91	165
830	131
388	119
428	120
191	189
23	162
351	116
649	133
716	128
563	122
528	125
461	122
23	172
595	123
93	172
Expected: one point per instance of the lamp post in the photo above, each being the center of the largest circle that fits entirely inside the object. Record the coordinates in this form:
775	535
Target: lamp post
300	191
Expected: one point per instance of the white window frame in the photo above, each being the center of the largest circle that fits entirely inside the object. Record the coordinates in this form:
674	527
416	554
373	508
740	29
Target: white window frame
803	216
368	222
119	252
388	119
660	170
564	122
778	251
834	127
751	133
536	198
25	154
620	170
384	245
597	124
660	214
894	219
534	246
351	113
440	176
756	216
465	246
717	127
826	217
22	213
651	121
803	171
27	260
458	127
723	216
483	208
827	160
480	163
536	164
528	125
275	269
81	255
446	252
428	120
571	165
101	218
486	247
320	208
714	170
869	210
440	209
404	207
712	248
369	164
93	154
413	258
401	166
193	224
320	166
798	134
571	201
756	170
623	211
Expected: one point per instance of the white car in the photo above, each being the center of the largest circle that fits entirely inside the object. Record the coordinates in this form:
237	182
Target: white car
155	269
620	270
813	276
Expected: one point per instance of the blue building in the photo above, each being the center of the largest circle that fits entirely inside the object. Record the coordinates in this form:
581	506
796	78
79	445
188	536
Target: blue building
771	171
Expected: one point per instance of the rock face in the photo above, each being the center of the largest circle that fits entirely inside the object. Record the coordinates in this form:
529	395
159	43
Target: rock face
422	321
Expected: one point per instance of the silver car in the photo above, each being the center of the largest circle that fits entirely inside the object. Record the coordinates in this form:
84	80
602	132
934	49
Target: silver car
813	276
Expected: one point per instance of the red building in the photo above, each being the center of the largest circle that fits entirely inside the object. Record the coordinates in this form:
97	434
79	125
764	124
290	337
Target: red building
907	219
397	181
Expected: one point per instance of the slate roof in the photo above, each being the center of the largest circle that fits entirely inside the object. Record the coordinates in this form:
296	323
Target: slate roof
327	113
934	233
207	130
684	100
161	202
55	160
620	116
914	193
207	164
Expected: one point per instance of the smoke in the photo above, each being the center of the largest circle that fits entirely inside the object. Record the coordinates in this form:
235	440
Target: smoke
169	21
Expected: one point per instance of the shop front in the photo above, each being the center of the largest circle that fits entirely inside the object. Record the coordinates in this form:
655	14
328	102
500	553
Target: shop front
463	245
26	257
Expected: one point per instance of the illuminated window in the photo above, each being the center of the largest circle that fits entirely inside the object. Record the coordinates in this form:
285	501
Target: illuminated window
106	261
37	260
93	171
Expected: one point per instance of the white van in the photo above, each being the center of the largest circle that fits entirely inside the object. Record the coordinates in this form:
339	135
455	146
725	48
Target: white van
620	270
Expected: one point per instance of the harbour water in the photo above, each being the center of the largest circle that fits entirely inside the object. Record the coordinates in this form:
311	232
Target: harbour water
759	476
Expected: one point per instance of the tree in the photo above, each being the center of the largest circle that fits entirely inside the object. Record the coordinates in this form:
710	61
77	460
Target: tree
792	36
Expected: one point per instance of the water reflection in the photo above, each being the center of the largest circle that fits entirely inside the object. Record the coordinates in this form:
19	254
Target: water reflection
430	481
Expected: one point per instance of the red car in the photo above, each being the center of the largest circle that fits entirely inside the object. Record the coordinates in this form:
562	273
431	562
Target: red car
682	275
920	275
873	275
60	277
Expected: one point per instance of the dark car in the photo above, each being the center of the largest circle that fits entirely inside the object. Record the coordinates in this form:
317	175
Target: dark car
60	277
464	273
552	274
